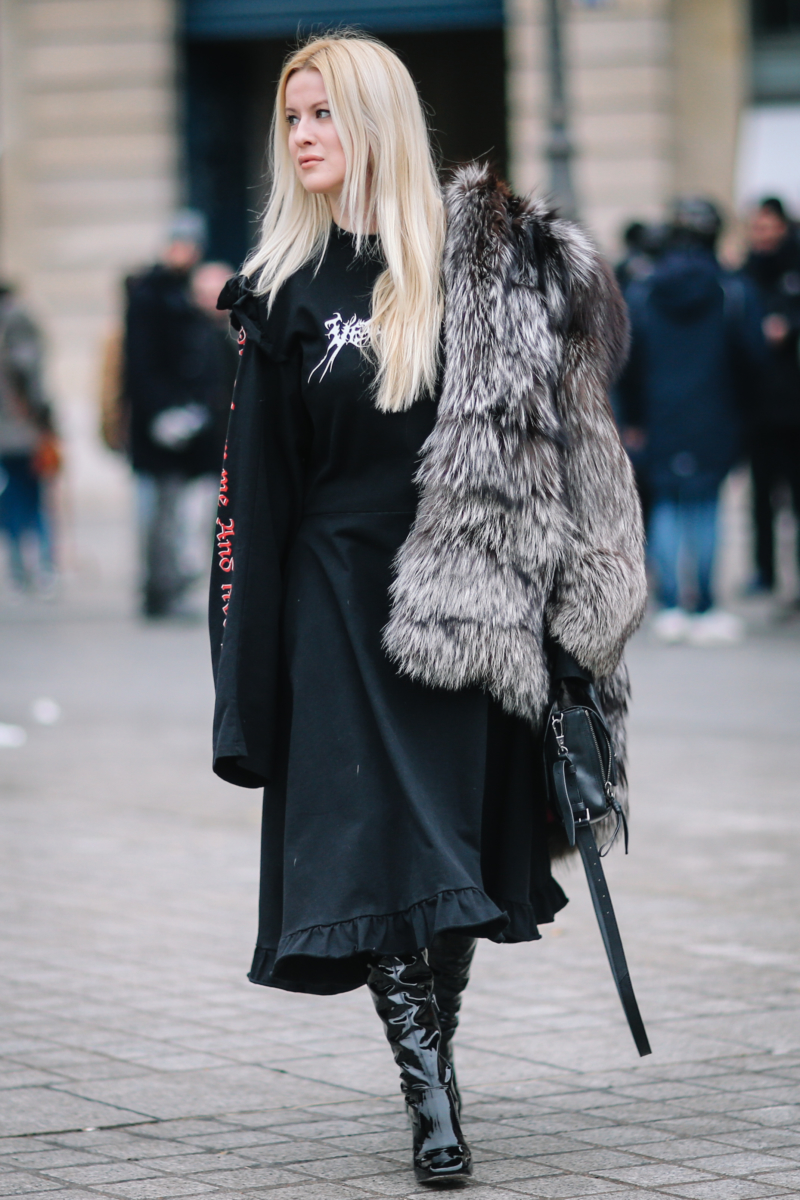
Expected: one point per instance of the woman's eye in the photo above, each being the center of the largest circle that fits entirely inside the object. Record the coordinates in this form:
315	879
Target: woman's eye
292	120
323	112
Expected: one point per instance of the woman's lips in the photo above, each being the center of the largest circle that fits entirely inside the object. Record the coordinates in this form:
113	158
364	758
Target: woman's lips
309	162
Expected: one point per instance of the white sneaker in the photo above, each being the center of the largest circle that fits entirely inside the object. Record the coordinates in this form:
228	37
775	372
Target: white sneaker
716	628
672	625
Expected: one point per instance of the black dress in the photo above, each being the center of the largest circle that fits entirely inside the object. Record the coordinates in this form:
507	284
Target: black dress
393	810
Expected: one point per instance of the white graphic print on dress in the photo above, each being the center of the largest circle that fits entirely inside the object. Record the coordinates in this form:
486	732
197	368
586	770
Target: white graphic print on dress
341	333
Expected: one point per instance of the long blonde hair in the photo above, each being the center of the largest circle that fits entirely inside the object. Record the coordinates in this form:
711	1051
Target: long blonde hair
390	185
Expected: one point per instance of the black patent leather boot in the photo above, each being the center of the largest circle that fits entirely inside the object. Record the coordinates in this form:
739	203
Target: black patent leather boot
450	957
402	989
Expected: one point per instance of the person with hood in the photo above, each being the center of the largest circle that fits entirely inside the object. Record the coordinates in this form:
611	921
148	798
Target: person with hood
696	341
424	494
773	265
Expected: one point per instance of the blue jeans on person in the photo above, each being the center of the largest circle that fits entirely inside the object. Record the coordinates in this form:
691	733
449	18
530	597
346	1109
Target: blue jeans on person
22	514
682	545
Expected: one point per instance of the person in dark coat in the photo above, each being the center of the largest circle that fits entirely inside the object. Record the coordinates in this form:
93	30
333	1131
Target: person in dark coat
177	386
381	631
773	265
644	244
696	341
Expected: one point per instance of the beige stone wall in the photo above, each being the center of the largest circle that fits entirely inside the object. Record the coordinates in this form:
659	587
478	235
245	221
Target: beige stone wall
619	74
87	181
711	56
655	89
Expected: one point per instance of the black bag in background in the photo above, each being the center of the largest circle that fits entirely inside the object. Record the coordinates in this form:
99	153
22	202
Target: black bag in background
581	777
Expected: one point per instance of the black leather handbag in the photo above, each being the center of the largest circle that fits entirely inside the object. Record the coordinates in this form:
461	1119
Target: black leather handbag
581	778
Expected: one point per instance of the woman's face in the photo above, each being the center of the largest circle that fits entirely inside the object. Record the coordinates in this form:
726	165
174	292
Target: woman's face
313	141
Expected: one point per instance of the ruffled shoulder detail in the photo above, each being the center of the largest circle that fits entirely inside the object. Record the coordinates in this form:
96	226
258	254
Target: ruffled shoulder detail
249	312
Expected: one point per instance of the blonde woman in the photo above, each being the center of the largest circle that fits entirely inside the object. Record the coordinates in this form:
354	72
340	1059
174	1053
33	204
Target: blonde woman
423	494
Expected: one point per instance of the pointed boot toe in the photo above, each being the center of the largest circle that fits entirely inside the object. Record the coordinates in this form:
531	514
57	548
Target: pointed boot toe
451	1165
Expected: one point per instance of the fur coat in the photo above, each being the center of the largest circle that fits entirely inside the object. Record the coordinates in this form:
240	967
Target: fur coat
529	525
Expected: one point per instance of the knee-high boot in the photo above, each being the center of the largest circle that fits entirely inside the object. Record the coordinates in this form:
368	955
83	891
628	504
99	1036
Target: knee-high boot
402	989
450	957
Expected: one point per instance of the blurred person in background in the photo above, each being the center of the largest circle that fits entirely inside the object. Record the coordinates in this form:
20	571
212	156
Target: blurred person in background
644	244
773	265
217	356
696	341
29	453
177	382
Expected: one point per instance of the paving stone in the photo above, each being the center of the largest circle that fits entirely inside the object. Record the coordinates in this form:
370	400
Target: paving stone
679	1149
782	1140
657	1174
102	1173
633	1135
19	1182
728	1189
590	1160
641	1194
355	1167
194	1161
561	1187
319	1191
741	1164
46	1158
43	1109
60	1194
157	1189
297	1151
252	1176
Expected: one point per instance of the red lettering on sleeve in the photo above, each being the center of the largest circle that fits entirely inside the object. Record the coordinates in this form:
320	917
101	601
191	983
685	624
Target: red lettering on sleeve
225	544
227	588
223	487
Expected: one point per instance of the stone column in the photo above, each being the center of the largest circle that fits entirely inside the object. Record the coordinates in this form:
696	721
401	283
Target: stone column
711	58
619	62
88	180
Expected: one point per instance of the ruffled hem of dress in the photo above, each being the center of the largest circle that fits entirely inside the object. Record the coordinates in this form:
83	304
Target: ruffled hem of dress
328	959
524	919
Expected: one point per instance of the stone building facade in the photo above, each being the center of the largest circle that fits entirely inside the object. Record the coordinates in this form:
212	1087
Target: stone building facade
93	154
655	91
88	175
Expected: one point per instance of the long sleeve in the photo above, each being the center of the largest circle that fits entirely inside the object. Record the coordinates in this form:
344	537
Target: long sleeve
259	508
600	590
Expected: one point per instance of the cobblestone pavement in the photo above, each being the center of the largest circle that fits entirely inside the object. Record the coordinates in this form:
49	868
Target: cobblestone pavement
138	1062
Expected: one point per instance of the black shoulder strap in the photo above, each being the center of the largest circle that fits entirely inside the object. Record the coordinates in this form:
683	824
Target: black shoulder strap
606	919
564	666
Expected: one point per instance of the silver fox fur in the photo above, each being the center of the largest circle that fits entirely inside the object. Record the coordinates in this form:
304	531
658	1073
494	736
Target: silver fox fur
529	523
